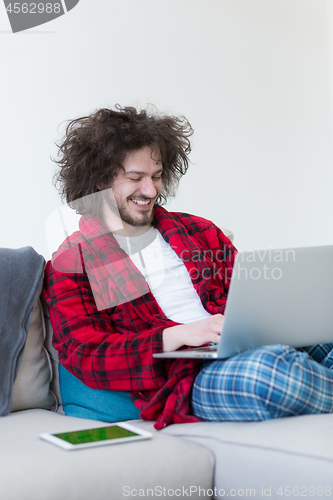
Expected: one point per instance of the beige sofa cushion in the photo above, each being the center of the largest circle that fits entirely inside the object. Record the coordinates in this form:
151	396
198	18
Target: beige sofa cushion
32	469
266	459
53	355
32	383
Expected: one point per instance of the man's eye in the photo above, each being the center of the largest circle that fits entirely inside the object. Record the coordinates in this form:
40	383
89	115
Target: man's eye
157	178
139	179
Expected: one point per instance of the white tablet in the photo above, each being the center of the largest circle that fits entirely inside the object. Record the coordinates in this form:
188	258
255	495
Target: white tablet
121	432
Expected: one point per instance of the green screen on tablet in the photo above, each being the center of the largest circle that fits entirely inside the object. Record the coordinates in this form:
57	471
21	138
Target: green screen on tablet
94	435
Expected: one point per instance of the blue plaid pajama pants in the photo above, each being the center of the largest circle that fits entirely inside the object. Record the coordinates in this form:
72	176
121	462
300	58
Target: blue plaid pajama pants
267	382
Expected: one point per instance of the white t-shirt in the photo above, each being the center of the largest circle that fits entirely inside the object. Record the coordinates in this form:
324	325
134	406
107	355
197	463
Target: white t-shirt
166	274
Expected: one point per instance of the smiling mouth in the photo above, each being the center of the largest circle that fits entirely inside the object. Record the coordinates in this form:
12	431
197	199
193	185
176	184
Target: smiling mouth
141	202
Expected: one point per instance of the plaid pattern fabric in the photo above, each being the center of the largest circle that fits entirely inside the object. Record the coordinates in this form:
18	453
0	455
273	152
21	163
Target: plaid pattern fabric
266	382
107	324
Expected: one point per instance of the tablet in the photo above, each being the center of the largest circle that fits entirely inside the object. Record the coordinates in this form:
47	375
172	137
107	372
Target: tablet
112	434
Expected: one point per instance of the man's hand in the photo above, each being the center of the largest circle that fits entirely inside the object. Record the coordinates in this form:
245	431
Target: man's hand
193	334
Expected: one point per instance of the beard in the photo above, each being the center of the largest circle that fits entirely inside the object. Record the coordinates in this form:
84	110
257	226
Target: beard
143	219
122	211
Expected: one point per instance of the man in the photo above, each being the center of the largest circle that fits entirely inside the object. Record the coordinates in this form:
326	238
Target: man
136	280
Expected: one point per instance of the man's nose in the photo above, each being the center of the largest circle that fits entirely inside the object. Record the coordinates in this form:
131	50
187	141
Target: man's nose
148	188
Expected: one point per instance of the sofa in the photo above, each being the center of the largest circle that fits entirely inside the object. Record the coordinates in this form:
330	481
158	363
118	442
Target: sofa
275	458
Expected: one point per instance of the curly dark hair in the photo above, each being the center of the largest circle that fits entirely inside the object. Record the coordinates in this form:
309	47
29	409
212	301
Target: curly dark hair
94	148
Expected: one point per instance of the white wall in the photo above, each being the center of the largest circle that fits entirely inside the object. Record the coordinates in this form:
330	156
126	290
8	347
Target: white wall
252	76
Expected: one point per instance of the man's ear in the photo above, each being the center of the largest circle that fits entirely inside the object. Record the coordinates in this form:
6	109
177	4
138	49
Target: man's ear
100	186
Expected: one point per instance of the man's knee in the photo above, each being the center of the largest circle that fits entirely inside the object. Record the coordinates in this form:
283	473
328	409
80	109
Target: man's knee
271	375
263	383
280	379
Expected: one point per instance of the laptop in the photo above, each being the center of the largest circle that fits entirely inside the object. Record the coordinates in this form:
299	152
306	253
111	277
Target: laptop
276	296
